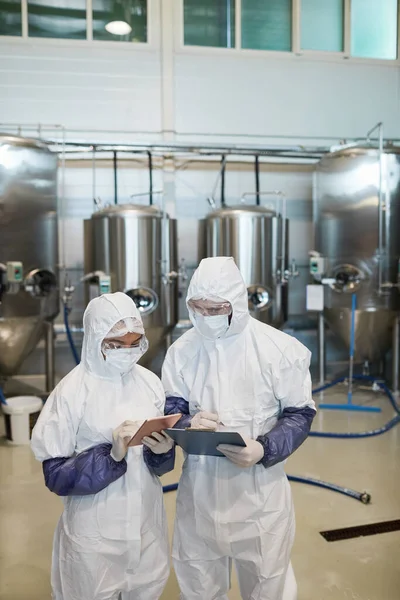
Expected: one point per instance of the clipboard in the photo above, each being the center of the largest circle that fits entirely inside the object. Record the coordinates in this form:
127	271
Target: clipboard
204	443
153	425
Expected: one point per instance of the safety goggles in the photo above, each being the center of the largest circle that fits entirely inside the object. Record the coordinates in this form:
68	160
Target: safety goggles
210	308
106	345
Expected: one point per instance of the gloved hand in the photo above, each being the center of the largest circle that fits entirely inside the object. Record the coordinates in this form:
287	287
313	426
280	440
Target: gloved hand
121	438
243	457
205	420
158	443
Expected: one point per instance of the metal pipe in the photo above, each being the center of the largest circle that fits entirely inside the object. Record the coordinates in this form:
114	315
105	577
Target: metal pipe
49	356
352	343
257	174
379	126
115	165
150	178
94	176
207	149
321	348
223	165
395	354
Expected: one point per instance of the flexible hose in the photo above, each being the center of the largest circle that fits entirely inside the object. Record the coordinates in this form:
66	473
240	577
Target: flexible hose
69	336
360	496
2	397
362	434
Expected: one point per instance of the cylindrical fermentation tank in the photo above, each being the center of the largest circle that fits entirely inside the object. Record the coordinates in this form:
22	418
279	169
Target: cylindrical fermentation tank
137	247
29	245
356	217
257	238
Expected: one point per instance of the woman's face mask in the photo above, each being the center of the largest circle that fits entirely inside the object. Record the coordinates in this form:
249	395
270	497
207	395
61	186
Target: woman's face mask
123	359
212	328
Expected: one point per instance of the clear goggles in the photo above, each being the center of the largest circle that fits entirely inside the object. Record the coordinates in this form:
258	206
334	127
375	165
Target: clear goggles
121	329
114	345
210	307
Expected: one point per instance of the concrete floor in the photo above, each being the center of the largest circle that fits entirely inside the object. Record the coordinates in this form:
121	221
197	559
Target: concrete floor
358	569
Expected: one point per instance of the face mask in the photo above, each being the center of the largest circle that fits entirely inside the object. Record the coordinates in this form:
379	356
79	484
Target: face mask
123	359
212	328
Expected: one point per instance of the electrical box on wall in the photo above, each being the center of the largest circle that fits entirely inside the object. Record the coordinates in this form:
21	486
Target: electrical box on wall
315	298
14	272
317	265
104	284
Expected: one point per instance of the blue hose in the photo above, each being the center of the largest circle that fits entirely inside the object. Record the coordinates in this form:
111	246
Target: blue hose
69	336
362	434
361	496
2	397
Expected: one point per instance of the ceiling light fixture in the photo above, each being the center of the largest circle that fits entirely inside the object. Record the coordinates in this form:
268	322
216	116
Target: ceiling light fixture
119	21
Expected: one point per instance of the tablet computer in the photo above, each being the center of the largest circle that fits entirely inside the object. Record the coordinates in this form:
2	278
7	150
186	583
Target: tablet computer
203	442
154	425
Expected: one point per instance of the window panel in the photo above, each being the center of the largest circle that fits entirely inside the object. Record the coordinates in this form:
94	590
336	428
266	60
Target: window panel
374	28
267	25
10	17
209	23
132	12
57	19
322	25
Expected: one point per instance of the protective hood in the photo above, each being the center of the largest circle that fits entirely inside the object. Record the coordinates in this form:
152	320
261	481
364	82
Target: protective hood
219	277
101	315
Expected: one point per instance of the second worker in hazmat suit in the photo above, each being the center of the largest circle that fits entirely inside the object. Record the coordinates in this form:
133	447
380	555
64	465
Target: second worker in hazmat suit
111	541
234	372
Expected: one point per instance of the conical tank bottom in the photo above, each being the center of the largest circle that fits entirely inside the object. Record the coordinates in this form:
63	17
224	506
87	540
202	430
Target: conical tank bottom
373	331
18	338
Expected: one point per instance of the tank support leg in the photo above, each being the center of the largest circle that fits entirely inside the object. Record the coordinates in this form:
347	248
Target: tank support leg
395	355
49	356
321	348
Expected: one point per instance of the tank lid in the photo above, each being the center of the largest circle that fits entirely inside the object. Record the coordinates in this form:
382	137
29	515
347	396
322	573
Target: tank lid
22	142
128	210
250	210
362	150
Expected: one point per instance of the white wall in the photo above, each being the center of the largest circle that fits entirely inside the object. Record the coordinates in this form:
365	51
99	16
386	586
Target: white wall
164	86
293	96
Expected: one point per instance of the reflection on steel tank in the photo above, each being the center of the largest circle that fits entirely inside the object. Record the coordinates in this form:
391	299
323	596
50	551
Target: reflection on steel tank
29	295
356	215
257	238
137	247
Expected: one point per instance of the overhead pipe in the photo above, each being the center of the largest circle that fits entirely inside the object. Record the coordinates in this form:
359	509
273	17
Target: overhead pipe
206	149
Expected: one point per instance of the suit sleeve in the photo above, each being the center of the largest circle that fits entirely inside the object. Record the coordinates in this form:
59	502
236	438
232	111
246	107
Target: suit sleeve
292	387
54	444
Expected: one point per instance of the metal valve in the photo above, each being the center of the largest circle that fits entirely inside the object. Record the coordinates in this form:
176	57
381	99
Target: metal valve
292	272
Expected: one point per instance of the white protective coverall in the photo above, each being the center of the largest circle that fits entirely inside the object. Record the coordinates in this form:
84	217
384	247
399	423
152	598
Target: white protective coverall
248	377
115	541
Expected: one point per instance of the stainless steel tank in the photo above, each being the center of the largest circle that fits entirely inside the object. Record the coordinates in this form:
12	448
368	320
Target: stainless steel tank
357	214
28	234
255	237
137	247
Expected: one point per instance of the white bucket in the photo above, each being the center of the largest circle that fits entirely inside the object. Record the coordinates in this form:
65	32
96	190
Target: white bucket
21	414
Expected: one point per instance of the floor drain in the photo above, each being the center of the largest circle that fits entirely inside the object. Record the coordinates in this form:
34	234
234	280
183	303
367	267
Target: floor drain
347	533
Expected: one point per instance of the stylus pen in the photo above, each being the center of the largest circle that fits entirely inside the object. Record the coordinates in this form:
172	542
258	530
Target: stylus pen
199	409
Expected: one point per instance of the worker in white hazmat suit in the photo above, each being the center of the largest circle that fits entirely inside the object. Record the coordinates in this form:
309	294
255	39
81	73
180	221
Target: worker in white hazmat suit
233	372
111	541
